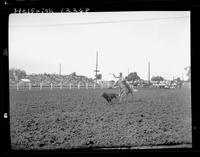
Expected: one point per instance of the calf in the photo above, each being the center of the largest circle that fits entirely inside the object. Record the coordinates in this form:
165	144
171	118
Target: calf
109	96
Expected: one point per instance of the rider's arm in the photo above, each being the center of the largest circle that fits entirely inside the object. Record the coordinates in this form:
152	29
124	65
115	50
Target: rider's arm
115	76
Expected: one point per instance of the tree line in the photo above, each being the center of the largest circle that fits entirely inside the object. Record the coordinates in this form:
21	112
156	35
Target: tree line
133	76
18	74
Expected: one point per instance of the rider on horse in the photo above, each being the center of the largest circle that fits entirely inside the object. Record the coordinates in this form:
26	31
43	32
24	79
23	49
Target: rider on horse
124	87
120	79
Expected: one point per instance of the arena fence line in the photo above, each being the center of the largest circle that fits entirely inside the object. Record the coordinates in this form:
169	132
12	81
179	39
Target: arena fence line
51	86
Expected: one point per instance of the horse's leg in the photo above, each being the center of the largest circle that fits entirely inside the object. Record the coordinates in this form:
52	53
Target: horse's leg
120	92
127	97
132	94
121	96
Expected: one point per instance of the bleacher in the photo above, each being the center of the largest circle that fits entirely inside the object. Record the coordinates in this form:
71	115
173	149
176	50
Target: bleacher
55	79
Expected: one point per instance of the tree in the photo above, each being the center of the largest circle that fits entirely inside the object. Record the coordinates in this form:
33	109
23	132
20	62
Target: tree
73	74
178	79
133	76
157	78
16	74
188	69
178	82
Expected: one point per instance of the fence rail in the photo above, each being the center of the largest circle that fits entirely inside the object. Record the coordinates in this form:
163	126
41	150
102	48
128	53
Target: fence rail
29	86
61	86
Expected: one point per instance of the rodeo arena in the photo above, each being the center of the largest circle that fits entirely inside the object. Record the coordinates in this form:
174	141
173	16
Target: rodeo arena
57	111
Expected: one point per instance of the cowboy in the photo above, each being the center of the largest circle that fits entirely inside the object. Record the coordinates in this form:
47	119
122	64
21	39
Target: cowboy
120	79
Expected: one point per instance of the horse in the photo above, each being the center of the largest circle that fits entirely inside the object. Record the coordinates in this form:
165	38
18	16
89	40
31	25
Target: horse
124	89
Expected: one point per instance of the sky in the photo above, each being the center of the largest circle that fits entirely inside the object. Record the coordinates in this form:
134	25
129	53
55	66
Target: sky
125	42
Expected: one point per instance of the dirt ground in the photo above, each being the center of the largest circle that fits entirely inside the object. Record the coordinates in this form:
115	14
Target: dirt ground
66	119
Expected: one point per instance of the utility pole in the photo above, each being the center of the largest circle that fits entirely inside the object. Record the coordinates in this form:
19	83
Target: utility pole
149	72
59	69
128	71
96	70
182	77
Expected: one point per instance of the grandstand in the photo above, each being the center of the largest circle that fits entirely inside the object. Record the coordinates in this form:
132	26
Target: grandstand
55	79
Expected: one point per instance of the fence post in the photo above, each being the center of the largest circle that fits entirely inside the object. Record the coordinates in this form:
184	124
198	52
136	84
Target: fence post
29	86
94	85
86	85
78	85
70	86
17	86
40	86
51	86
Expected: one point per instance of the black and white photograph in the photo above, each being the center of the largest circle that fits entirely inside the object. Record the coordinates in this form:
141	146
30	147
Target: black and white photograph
100	80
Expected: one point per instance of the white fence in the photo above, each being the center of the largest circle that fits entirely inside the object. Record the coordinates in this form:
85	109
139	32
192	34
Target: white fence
51	86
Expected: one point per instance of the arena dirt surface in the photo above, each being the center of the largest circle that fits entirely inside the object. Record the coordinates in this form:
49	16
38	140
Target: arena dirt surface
67	119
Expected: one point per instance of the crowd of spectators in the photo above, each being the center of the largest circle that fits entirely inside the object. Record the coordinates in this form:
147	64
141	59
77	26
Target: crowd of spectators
54	79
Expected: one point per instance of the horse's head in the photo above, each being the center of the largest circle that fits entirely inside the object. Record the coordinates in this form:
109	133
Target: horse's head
121	83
